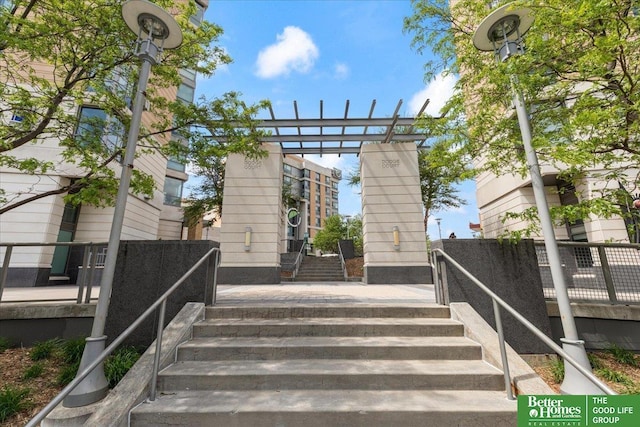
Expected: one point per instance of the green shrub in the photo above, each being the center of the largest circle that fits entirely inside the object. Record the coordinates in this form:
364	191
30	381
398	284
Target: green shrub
44	349
622	355
12	401
67	374
614	376
34	371
72	350
4	344
119	363
595	361
557	370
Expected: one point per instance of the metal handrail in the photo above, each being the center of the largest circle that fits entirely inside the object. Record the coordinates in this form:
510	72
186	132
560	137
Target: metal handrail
88	259
120	338
342	262
298	259
497	301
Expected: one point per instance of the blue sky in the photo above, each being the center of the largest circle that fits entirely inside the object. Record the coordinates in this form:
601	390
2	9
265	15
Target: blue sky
331	50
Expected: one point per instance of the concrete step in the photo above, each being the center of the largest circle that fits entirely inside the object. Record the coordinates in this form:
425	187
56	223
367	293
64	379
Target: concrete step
337	326
323	408
323	374
454	348
328	310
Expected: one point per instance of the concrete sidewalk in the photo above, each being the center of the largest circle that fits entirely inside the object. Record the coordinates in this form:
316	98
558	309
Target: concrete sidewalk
296	293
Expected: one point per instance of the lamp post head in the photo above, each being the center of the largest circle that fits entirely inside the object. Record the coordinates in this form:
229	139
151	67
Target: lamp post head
502	31
150	21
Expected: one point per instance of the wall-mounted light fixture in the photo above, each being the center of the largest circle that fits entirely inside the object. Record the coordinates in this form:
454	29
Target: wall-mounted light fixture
247	238
396	238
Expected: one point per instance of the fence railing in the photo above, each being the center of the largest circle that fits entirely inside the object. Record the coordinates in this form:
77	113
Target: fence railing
595	272
212	260
500	303
93	256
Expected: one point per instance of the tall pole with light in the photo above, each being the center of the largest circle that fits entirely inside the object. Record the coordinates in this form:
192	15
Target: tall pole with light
156	30
438	220
501	32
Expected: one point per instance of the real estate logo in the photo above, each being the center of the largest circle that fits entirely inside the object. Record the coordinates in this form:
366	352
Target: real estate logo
578	411
551	411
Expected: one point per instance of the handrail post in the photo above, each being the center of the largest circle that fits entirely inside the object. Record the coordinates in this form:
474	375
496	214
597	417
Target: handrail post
215	276
85	272
606	272
503	350
156	356
5	269
92	270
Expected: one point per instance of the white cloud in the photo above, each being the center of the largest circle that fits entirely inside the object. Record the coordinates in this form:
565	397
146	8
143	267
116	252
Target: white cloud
341	71
293	51
438	91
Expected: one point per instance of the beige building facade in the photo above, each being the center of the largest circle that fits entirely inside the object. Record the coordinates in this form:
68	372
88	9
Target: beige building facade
49	219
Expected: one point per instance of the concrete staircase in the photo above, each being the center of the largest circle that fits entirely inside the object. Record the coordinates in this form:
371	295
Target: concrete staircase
320	269
329	365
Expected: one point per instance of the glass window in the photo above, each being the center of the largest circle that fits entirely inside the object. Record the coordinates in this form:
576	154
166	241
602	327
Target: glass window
175	164
334	195
318	222
172	191
288	169
95	126
317	176
196	19
318	188
306	173
327	212
334	185
287	180
188	74
186	93
327	180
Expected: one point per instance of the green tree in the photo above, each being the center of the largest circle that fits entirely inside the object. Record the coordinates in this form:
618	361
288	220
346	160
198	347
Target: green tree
88	50
334	229
580	78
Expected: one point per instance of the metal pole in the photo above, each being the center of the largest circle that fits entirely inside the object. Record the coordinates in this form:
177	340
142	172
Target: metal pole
156	356
503	350
574	382
95	385
5	269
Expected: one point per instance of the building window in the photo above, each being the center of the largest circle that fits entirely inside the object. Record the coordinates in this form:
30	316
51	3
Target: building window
317	176
318	222
288	169
287	180
306	173
95	126
335	205
334	195
318	188
327	180
172	191
334	185
175	164
186	93
327	212
196	18
317	198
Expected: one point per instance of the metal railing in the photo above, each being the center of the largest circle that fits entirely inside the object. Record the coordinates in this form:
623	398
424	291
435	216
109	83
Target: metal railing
499	302
298	260
92	258
595	272
343	263
212	258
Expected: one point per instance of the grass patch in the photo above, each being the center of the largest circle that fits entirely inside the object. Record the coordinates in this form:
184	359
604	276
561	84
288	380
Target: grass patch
45	349
622	355
67	374
614	376
12	401
33	371
119	363
595	361
557	370
4	344
72	350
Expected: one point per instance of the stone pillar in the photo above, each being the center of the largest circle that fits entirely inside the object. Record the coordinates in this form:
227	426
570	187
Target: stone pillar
252	204
391	200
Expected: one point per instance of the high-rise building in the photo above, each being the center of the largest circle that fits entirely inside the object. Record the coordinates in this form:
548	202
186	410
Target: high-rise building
49	219
315	189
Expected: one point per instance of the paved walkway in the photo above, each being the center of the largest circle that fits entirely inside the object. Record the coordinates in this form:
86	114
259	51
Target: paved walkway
286	293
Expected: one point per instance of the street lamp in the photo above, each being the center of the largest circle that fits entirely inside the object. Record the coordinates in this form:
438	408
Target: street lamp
347	218
439	230
156	30
501	32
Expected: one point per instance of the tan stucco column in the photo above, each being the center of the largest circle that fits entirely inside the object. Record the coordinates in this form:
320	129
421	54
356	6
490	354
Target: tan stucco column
251	219
391	202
